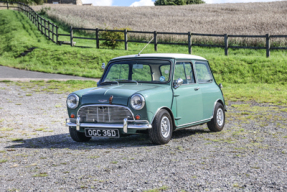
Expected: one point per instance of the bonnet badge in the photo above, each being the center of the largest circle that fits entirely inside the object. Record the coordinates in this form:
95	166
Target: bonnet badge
111	99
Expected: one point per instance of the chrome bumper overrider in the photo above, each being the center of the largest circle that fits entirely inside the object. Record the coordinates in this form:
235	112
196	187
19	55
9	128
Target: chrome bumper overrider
136	124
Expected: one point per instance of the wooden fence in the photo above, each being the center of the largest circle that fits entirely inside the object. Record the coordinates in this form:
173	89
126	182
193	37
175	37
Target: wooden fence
50	30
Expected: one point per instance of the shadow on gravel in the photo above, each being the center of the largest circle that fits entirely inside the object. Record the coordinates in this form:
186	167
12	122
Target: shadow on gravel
188	132
65	141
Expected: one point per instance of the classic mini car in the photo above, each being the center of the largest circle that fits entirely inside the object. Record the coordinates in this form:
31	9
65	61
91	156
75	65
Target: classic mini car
150	93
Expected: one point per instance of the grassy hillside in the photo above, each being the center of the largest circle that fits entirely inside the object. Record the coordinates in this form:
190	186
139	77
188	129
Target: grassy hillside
17	34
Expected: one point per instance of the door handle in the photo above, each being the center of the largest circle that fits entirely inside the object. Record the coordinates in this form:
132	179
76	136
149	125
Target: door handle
196	89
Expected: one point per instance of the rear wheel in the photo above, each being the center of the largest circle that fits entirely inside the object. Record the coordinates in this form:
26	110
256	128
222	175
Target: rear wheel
217	122
162	128
78	136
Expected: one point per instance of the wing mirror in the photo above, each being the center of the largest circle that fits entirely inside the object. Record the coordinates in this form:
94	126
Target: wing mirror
103	66
220	86
178	83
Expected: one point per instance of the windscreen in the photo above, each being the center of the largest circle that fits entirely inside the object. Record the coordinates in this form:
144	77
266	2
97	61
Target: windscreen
148	71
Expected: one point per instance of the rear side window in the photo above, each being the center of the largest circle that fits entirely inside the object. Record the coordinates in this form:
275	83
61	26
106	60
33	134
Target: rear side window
203	72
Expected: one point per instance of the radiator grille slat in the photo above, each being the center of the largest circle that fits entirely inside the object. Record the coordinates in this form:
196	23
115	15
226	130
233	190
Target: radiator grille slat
104	114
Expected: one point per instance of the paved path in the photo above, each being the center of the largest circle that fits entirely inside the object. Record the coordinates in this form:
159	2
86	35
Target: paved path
7	73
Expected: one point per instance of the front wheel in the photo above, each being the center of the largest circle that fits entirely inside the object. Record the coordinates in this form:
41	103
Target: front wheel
217	122
78	136
162	128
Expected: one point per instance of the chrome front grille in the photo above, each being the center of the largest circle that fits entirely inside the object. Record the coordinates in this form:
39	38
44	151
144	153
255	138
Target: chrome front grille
104	114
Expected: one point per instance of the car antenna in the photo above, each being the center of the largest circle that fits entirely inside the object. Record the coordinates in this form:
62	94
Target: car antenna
145	46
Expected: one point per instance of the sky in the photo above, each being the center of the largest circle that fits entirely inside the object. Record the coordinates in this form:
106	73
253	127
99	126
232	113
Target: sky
135	3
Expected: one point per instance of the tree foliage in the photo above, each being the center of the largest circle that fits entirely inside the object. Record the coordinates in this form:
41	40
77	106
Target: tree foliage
177	2
30	2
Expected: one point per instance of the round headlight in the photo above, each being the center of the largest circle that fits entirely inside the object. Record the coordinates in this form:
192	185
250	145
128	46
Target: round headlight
73	101
137	101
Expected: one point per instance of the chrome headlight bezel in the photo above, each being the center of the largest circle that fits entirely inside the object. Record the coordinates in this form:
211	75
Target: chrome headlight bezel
77	99
136	96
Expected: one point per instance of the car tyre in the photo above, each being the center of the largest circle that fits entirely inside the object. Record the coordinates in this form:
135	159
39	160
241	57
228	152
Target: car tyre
78	136
217	122
162	128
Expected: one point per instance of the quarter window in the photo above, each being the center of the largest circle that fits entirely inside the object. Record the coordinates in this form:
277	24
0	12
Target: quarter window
203	72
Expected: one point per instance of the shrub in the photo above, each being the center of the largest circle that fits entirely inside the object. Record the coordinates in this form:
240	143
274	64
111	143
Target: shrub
44	10
111	37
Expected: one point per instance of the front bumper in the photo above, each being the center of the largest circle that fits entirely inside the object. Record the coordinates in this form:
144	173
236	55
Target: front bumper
127	124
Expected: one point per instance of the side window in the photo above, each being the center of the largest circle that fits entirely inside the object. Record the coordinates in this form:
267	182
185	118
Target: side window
179	72
189	73
184	71
118	71
141	72
203	72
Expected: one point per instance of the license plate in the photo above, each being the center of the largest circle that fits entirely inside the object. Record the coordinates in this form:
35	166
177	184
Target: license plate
102	133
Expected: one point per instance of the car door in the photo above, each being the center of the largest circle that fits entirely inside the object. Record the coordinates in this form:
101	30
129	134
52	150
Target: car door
208	87
187	97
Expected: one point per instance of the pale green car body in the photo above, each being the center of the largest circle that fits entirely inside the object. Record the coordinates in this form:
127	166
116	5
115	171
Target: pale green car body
189	105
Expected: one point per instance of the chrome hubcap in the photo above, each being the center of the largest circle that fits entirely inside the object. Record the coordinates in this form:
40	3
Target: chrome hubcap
165	127
220	117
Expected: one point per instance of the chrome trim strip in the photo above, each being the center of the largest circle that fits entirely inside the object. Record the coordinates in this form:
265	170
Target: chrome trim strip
111	126
107	105
195	122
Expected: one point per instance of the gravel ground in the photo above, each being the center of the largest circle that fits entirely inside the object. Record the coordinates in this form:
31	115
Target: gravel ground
37	153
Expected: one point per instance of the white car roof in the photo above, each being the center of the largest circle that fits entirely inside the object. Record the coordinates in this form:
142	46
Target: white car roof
164	55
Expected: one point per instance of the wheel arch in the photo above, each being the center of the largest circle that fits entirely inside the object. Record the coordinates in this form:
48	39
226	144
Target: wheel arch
170	113
217	101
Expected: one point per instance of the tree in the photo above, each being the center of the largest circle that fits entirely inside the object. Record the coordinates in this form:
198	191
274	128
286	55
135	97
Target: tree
194	2
177	2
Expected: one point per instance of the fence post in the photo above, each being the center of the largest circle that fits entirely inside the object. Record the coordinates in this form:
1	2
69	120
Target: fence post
126	39
57	36
226	44
155	41
7	5
97	38
41	21
267	45
53	32
45	27
189	43
71	36
34	18
49	29
38	22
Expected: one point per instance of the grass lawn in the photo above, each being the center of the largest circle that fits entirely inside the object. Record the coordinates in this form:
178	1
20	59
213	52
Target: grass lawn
17	34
